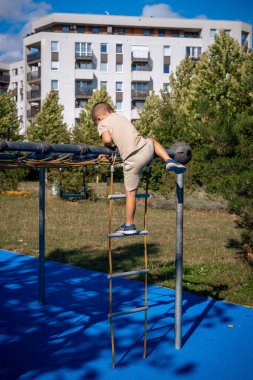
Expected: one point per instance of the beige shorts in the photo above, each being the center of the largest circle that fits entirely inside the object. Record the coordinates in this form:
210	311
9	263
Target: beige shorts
133	165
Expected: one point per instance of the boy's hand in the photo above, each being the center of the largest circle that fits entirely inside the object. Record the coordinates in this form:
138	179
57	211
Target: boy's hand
103	157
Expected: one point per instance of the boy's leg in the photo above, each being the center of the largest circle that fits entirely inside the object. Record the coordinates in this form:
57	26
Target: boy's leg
171	164
130	206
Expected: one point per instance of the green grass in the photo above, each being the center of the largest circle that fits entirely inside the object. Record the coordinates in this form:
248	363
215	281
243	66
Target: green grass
75	234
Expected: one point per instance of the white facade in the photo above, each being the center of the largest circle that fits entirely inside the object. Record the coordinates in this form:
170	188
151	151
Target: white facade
15	74
77	53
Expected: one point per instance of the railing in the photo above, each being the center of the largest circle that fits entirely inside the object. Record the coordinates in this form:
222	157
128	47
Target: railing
85	55
33	56
84	92
140	56
140	94
33	75
32	112
33	94
142	68
5	78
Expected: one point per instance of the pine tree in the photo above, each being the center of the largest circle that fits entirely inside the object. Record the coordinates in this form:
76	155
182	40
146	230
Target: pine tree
218	84
9	123
48	124
86	131
180	84
9	127
150	117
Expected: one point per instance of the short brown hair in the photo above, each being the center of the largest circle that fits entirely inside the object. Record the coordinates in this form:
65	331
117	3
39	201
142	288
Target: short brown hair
100	108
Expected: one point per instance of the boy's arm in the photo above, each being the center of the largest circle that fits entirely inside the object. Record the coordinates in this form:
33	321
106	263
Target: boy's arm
106	138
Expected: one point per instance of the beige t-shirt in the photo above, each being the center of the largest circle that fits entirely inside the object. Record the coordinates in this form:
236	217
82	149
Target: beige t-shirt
124	135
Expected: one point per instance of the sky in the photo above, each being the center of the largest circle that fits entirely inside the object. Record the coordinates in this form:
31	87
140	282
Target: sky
16	16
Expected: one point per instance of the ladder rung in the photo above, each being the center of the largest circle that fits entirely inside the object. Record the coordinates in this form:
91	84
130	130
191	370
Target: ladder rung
122	196
130	311
117	234
130	273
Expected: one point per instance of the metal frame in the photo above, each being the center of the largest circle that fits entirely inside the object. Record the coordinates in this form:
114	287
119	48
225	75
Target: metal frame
82	152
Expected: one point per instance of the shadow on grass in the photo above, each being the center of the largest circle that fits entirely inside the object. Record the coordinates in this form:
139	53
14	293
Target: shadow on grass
243	253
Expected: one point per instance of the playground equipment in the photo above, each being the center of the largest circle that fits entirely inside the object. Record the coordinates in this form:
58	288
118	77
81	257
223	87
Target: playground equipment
45	155
74	196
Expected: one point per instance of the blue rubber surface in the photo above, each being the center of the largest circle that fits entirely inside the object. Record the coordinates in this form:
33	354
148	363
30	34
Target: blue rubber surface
69	337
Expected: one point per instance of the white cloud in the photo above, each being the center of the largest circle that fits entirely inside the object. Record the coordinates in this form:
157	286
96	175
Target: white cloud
18	13
22	10
159	10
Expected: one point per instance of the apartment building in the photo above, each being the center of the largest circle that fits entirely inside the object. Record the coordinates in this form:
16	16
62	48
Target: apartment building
76	54
12	79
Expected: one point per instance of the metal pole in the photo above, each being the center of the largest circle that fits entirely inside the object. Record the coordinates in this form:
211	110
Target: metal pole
42	236
179	260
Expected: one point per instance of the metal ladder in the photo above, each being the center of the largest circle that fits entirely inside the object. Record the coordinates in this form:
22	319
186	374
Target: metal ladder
144	271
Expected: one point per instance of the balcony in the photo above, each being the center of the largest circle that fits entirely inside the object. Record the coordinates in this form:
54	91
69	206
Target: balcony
85	74
134	114
34	76
86	56
5	79
34	57
14	91
140	56
32	112
33	95
141	76
140	94
84	93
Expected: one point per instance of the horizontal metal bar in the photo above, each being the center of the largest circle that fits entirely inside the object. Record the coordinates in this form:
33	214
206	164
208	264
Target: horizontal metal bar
117	235
121	196
73	195
130	311
46	147
130	273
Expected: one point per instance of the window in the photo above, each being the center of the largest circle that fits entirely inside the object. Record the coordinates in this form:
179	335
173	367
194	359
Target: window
54	46
140	86
147	32
83	49
103	48
119	67
141	66
119	105
193	51
166	68
119	48
122	31
80	29
80	103
103	84
54	85
95	29
14	72
138	104
83	65
166	51
119	86
65	28
161	33
104	67
228	32
55	65
166	87
213	33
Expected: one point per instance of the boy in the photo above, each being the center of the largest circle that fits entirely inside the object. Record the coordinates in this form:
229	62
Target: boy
135	151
